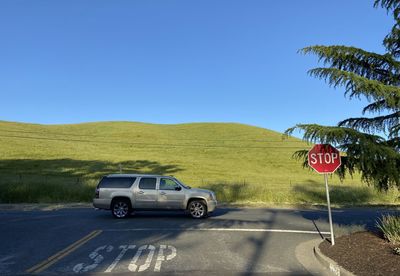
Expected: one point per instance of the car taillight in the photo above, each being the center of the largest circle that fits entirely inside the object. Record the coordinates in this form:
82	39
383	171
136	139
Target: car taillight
97	193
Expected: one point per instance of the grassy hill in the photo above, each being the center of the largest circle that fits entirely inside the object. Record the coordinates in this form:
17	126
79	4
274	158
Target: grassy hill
62	163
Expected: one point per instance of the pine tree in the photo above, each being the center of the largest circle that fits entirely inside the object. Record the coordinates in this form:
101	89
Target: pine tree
371	143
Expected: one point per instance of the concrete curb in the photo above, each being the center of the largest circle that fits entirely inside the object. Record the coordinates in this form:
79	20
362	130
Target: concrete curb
308	260
333	267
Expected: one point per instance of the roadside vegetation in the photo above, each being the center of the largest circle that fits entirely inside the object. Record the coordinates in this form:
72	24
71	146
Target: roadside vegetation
372	141
243	164
390	227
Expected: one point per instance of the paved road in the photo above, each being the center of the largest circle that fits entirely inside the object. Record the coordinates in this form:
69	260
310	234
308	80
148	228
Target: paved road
231	241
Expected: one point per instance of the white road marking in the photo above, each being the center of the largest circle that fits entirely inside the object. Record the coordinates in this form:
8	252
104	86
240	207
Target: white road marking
220	230
96	257
116	261
312	211
5	262
276	269
133	266
162	258
146	265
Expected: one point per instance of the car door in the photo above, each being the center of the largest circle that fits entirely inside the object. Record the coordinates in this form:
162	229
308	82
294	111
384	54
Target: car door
146	193
170	194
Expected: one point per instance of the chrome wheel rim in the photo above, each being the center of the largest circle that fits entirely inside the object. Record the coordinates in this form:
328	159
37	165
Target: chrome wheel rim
121	209
197	210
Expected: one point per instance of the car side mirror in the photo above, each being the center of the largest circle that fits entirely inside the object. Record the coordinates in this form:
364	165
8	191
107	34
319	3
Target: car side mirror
178	188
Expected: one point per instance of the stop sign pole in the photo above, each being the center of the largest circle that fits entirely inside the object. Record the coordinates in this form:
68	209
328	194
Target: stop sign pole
325	159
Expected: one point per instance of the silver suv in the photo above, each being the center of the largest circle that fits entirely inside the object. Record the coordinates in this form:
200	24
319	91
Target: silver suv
123	193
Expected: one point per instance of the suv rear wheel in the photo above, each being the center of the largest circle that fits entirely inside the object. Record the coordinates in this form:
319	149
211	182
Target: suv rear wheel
121	208
197	209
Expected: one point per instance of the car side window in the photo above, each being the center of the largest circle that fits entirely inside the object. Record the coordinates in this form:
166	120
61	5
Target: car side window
147	183
168	184
116	182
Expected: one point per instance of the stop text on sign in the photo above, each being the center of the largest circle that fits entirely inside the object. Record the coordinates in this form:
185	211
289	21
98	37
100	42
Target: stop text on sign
324	158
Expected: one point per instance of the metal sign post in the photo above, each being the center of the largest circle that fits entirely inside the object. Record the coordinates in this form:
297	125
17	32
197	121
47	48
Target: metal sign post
329	209
325	159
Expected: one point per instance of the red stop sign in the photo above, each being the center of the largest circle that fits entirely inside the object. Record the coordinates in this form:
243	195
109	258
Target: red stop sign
324	158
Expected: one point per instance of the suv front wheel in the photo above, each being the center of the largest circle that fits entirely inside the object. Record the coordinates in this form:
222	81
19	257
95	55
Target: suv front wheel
121	208
197	209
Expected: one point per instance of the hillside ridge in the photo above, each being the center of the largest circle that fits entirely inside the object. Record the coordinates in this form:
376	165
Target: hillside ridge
242	163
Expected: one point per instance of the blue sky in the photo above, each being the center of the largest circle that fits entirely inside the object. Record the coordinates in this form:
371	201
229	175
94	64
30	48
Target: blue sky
177	61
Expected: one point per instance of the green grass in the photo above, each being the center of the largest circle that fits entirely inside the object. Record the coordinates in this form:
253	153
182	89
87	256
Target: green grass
243	164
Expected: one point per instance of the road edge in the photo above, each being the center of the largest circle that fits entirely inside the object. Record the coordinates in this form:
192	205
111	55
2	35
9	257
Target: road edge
330	264
69	205
42	206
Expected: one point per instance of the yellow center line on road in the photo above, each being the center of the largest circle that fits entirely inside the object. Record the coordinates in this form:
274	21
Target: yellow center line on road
63	253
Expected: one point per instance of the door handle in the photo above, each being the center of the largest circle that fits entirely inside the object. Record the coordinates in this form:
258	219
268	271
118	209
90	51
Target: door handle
163	193
140	192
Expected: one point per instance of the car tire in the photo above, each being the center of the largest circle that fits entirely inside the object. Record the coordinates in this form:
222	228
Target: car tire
197	209
121	208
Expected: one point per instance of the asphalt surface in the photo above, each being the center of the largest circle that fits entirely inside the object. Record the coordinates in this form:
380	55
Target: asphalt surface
232	241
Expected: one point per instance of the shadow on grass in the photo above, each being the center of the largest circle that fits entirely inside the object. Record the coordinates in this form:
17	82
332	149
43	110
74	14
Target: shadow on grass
64	180
72	167
314	193
231	192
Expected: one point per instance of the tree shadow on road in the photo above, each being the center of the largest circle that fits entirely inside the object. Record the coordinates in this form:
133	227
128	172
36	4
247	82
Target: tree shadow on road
249	249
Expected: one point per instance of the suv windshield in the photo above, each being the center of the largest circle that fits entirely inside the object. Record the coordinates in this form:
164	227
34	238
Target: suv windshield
183	184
